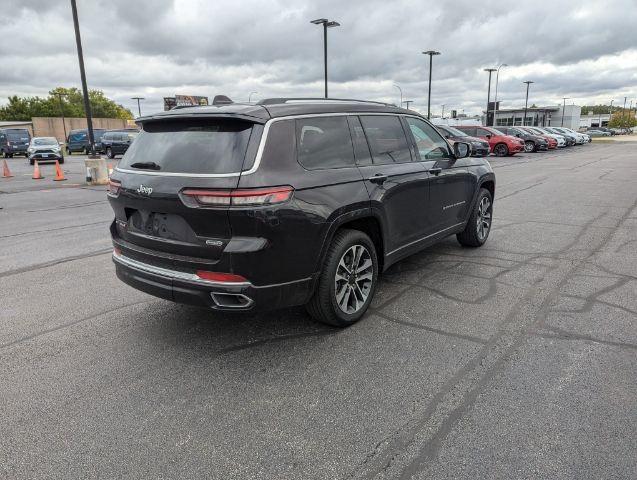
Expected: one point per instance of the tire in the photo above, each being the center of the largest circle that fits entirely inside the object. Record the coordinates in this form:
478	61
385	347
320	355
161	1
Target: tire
501	150
473	235
109	153
529	146
325	305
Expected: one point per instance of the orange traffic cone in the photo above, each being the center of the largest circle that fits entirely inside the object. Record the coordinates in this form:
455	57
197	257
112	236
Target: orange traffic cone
36	171
59	174
110	169
6	173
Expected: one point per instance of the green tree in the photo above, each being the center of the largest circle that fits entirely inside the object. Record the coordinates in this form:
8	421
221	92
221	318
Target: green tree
24	108
623	119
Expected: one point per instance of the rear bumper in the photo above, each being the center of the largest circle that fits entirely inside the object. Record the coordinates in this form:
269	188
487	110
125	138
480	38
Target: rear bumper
184	287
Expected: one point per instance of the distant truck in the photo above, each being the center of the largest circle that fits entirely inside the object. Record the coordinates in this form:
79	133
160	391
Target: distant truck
77	140
14	141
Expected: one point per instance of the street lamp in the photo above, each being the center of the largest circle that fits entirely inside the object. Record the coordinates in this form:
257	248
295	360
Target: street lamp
443	111
139	108
490	70
250	96
564	108
401	94
624	112
60	95
326	24
87	103
495	101
526	102
408	102
431	54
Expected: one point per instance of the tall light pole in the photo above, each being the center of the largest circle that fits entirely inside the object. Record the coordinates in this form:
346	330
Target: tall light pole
564	109
408	102
495	101
401	94
250	96
624	112
431	54
139	108
443	111
610	112
526	102
490	70
326	24
60	95
87	103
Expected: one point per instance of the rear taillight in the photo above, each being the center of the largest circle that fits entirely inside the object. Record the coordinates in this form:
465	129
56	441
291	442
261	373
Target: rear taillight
236	198
220	277
113	188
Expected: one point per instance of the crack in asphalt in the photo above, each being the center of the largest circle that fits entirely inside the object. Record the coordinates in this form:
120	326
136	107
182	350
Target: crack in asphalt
55	229
38	266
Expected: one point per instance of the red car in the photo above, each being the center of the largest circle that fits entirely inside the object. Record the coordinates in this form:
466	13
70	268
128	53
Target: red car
501	144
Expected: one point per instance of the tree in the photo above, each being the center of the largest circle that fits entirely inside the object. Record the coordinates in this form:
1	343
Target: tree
623	119
24	108
596	109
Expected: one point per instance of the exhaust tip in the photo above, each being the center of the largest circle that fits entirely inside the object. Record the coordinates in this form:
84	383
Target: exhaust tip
231	300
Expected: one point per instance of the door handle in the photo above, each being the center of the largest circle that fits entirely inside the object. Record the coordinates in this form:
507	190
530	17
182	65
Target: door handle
379	178
435	171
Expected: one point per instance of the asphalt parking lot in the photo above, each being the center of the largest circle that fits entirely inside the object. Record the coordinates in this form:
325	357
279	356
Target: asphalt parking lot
516	360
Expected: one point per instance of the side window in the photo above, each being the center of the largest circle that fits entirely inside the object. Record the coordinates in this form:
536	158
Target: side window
386	138
471	131
483	133
361	149
324	142
430	144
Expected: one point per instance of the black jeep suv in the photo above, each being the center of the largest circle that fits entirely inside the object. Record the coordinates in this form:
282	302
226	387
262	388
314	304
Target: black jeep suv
289	202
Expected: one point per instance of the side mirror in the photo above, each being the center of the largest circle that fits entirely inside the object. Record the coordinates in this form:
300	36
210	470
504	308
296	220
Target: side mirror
461	149
518	135
488	135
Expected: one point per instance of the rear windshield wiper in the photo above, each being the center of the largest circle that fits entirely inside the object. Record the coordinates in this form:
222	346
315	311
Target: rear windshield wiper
146	165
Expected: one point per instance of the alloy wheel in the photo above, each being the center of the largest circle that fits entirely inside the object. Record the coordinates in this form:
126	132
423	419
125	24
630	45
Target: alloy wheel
353	279
484	218
529	147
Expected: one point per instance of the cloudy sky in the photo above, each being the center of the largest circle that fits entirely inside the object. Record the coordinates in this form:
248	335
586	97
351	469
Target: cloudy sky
582	49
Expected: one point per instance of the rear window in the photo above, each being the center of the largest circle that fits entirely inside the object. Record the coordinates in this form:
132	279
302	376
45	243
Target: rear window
201	146
18	135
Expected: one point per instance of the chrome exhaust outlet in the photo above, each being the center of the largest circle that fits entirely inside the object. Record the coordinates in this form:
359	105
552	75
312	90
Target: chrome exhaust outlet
231	300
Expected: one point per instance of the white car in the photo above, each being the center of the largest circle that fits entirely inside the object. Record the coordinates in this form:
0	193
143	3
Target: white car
581	138
44	149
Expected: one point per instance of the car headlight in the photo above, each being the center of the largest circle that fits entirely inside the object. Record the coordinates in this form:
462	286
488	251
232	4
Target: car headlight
56	149
30	149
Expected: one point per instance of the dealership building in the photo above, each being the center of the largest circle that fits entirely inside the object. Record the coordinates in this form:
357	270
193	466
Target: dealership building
567	116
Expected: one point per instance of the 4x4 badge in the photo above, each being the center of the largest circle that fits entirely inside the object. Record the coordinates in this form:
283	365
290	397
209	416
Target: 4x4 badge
142	190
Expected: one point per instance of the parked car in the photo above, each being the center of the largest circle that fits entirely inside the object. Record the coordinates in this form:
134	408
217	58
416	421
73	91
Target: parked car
579	138
239	207
45	149
551	141
479	147
561	139
14	141
532	141
598	133
77	140
116	142
501	144
570	139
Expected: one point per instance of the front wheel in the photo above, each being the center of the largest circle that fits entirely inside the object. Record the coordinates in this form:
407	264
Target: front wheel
347	282
529	146
478	227
109	153
501	150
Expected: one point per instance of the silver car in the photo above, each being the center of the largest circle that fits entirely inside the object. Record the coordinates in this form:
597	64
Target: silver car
44	149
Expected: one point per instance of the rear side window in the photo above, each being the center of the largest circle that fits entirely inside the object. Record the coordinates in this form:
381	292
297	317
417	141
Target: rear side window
387	140
201	146
471	131
483	133
324	142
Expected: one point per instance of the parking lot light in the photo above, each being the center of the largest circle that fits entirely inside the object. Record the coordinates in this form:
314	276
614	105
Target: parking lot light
495	100
139	108
326	24
431	54
401	94
563	109
526	102
490	70
250	96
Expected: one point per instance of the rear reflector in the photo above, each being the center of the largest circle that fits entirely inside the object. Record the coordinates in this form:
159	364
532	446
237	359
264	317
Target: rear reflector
241	197
221	277
113	188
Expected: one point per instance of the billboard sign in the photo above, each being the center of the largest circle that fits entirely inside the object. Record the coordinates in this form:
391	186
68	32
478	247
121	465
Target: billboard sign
184	101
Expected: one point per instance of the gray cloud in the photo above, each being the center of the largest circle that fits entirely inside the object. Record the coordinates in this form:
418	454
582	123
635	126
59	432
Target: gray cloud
583	49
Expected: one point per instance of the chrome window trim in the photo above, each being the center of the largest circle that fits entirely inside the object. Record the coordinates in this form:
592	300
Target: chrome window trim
264	137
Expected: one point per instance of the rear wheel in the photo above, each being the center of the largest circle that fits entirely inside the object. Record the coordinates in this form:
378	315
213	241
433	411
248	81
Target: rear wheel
347	282
529	146
479	225
501	150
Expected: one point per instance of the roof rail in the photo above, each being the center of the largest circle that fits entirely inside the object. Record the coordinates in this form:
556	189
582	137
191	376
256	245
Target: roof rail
273	101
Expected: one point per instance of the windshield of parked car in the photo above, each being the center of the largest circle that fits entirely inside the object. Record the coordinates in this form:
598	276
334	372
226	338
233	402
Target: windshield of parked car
455	132
207	146
45	141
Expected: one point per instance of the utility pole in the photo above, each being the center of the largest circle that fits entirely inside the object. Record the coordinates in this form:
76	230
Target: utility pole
564	109
495	101
624	113
490	70
87	103
443	111
526	102
139	108
326	24
431	54
59	95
